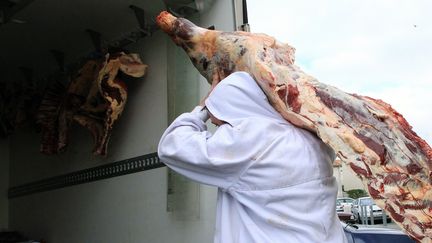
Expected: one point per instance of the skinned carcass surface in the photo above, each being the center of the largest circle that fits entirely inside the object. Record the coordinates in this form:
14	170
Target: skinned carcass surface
375	141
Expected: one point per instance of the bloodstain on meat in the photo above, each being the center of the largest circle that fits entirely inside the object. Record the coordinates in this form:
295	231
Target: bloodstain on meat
413	168
282	92
411	147
396	216
394	178
293	102
374	192
360	171
415	235
416	206
333	103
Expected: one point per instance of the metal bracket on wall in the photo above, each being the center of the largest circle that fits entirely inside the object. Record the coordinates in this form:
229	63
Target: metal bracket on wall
8	8
145	28
140	15
119	168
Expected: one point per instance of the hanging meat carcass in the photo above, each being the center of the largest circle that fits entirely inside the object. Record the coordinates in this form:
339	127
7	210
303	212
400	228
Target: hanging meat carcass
18	103
373	139
95	99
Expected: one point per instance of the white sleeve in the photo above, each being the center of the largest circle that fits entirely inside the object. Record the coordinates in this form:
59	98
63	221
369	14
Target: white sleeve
188	148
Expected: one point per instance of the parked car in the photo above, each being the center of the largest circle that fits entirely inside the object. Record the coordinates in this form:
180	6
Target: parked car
343	215
345	201
365	203
339	207
369	234
346	217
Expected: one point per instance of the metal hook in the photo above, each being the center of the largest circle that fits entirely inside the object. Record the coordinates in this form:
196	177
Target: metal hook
140	16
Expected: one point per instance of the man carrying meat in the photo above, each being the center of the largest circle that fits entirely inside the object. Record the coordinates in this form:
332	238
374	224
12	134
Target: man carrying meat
275	181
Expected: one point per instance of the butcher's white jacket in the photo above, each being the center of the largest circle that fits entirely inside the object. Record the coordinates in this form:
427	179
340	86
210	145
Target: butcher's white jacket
275	181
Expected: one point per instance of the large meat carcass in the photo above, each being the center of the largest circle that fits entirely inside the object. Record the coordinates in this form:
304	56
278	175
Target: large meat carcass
367	134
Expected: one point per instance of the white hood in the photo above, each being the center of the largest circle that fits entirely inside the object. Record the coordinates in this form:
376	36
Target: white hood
238	97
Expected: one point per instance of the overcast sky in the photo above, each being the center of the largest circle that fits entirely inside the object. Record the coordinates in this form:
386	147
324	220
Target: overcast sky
379	48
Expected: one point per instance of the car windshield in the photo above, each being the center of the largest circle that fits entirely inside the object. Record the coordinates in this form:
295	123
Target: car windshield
366	202
346	200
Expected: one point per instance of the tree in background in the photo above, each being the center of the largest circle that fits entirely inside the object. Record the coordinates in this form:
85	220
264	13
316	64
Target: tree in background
356	193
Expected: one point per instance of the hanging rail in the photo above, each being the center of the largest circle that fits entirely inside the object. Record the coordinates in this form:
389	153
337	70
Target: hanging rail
119	168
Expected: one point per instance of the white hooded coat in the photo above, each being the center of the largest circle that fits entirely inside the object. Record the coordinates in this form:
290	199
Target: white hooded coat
275	180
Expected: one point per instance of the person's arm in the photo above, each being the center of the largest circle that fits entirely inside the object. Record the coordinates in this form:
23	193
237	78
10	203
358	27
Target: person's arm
185	147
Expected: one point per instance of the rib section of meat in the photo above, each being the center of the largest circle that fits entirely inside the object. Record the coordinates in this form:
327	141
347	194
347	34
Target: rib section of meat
94	99
367	134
